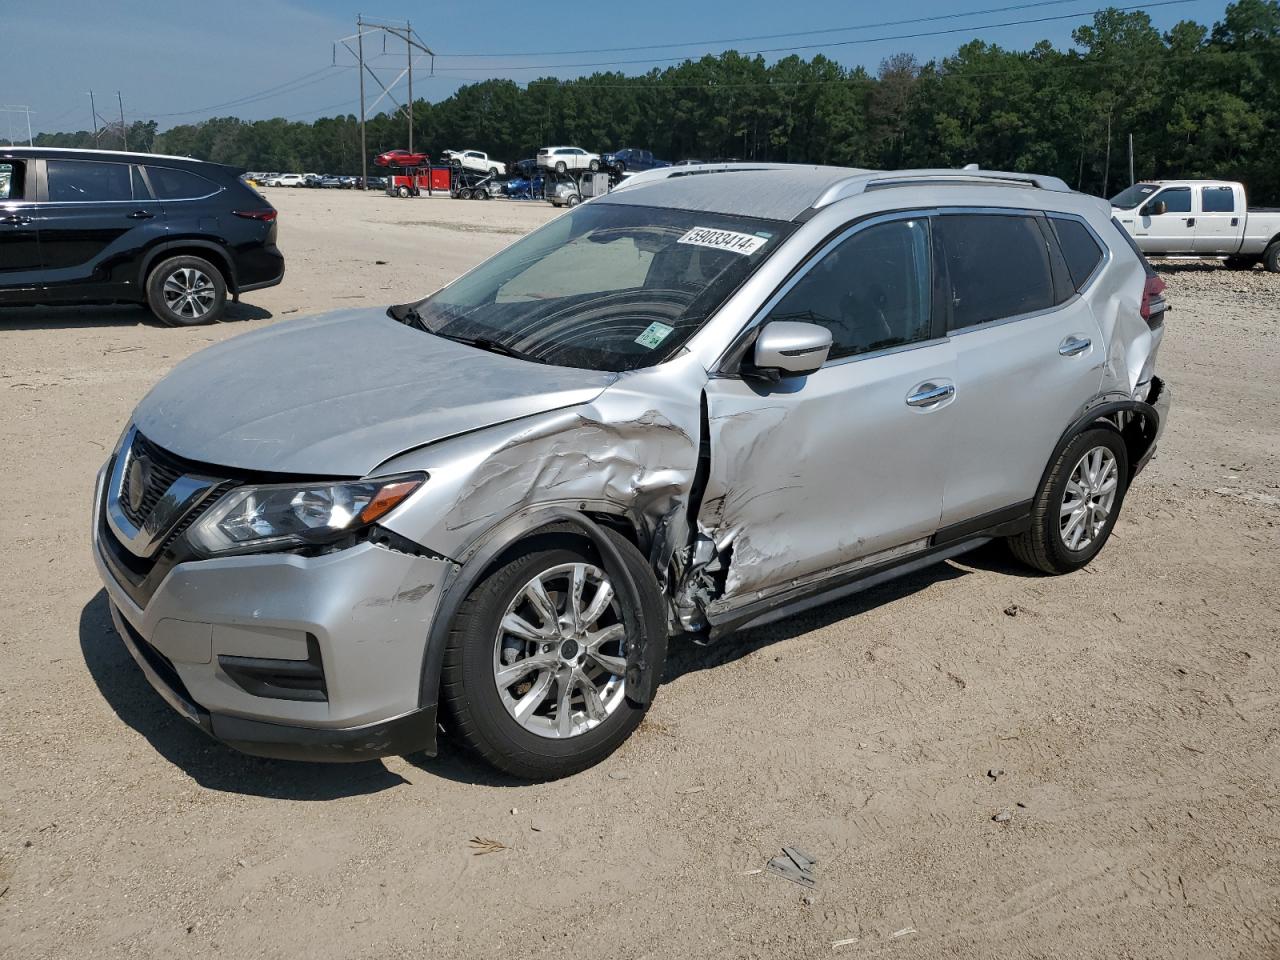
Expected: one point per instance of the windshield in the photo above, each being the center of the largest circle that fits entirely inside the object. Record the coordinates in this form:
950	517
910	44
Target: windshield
1130	198
608	286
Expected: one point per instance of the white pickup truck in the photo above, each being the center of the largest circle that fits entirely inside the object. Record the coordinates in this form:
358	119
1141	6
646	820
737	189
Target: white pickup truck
476	161
1199	219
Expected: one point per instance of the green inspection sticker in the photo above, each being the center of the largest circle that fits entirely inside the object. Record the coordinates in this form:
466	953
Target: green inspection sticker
654	334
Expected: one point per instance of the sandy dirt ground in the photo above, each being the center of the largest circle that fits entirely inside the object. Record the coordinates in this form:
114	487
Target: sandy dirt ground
1133	708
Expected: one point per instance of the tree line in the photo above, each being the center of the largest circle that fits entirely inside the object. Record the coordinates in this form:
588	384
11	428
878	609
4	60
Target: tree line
1199	101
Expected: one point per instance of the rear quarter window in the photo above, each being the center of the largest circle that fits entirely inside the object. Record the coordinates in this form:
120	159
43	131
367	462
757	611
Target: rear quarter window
172	184
11	180
1079	249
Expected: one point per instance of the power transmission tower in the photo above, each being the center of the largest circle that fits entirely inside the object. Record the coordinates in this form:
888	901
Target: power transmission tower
411	42
11	109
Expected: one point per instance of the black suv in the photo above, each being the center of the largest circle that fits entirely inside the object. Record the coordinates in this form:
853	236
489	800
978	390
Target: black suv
94	226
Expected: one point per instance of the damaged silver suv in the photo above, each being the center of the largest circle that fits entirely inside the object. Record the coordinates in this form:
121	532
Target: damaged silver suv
708	399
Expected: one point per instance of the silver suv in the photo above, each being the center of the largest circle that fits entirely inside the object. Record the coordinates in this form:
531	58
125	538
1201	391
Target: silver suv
706	400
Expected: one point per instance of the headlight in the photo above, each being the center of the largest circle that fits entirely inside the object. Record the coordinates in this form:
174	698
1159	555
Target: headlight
249	519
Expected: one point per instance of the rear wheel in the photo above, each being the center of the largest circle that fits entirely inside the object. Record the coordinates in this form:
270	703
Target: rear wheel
187	291
1077	505
1271	258
535	669
560	167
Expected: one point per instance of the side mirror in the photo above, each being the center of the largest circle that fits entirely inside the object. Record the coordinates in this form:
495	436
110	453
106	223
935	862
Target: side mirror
789	348
1155	208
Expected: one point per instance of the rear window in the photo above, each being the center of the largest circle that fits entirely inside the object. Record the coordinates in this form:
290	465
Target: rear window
998	266
72	181
171	184
1218	200
1079	249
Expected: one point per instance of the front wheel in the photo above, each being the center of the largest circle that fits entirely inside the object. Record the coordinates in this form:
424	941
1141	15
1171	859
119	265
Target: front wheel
1077	504
593	166
535	672
186	292
402	192
560	167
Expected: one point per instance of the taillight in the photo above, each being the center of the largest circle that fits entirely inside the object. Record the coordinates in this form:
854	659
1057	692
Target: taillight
1153	305
268	215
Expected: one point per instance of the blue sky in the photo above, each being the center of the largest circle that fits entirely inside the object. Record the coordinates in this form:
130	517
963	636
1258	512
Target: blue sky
180	61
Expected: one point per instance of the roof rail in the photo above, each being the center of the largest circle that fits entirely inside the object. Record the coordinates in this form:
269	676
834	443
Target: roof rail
854	186
691	169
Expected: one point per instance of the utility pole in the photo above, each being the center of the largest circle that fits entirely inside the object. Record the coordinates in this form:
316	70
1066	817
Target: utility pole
124	131
94	110
1132	179
364	150
408	49
412	42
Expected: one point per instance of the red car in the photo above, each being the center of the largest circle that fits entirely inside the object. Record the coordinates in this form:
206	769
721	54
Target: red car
401	158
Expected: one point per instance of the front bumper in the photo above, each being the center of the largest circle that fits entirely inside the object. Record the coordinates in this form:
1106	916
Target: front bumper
364	612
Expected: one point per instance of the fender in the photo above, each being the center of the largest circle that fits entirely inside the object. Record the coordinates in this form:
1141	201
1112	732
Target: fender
498	539
221	259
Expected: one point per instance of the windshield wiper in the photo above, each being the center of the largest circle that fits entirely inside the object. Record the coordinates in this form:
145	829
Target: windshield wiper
493	346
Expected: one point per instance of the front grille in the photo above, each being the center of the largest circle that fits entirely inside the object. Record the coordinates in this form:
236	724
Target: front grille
163	470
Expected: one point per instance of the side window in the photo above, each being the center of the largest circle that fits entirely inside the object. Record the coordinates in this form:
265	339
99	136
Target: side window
1177	199
1218	200
171	184
1079	249
998	266
872	291
11	179
88	180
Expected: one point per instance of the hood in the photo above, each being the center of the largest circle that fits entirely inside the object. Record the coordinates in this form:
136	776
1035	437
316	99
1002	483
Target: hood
338	394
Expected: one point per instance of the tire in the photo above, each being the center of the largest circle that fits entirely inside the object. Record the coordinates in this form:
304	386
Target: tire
186	292
593	166
1047	545
622	167
464	193
402	192
493	171
573	200
560	167
478	648
1271	258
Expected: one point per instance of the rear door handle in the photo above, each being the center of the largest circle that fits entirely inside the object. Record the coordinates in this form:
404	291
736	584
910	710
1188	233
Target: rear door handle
1191	221
141	215
931	394
1074	346
17	218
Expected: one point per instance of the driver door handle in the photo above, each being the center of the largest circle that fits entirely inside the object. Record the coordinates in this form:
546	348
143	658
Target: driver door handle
931	394
16	218
141	215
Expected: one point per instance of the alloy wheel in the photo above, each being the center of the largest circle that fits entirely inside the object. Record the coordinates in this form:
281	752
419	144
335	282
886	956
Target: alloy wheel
189	293
1089	498
559	658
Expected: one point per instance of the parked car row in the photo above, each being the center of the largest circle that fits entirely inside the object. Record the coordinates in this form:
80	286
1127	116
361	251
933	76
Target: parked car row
316	180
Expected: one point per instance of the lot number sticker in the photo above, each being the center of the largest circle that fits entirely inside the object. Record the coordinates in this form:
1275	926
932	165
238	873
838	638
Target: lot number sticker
654	334
743	243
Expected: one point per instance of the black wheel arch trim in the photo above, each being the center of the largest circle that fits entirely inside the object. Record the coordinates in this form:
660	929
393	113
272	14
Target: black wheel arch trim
501	538
224	261
1139	434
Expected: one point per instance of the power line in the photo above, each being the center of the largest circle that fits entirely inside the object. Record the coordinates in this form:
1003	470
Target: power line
844	43
767	36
